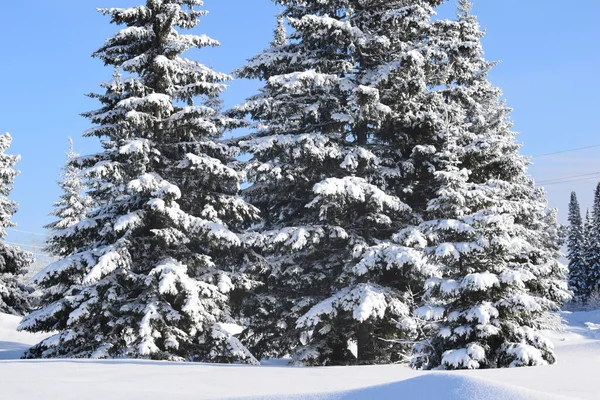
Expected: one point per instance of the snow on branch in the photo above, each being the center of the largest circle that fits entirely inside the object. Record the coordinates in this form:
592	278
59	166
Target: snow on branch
355	190
365	301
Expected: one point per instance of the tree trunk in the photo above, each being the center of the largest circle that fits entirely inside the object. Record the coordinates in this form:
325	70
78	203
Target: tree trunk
365	343
361	132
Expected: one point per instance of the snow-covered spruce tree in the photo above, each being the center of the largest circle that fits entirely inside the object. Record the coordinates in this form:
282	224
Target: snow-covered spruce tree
14	294
160	253
77	234
70	209
488	231
329	176
491	152
486	303
576	250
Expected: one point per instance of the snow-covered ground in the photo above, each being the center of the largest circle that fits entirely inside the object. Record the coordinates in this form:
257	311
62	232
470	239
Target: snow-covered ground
575	376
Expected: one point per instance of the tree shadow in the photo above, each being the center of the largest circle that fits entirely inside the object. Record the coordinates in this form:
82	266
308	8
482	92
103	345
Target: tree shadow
433	386
12	350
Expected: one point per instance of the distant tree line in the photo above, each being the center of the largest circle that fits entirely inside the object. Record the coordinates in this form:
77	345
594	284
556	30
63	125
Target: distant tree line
583	242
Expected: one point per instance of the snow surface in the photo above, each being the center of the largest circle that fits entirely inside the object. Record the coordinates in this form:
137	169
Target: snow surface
573	377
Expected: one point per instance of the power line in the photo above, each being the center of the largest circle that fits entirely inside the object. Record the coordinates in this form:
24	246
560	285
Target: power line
29	232
557	180
565	151
572	180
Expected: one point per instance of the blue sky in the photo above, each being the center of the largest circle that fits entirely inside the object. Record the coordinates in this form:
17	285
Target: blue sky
548	72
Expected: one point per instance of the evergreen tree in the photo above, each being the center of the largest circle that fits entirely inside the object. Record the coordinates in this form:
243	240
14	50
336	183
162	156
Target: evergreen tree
589	257
280	34
70	209
159	256
593	250
488	231
576	250
335	150
14	295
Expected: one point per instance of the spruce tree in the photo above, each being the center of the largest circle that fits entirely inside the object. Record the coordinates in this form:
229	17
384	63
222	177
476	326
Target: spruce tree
14	294
576	250
70	209
161	253
335	152
593	250
488	231
280	34
589	257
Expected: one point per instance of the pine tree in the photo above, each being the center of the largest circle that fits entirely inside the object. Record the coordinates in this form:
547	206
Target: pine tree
161	253
14	294
575	243
488	231
70	209
330	177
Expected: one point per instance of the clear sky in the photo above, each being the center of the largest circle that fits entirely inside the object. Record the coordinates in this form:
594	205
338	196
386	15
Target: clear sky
549	53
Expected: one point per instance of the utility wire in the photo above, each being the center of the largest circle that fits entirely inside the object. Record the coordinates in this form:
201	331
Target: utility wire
557	180
572	180
29	232
565	151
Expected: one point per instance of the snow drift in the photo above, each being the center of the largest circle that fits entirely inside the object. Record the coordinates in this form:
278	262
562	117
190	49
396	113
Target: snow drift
573	377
